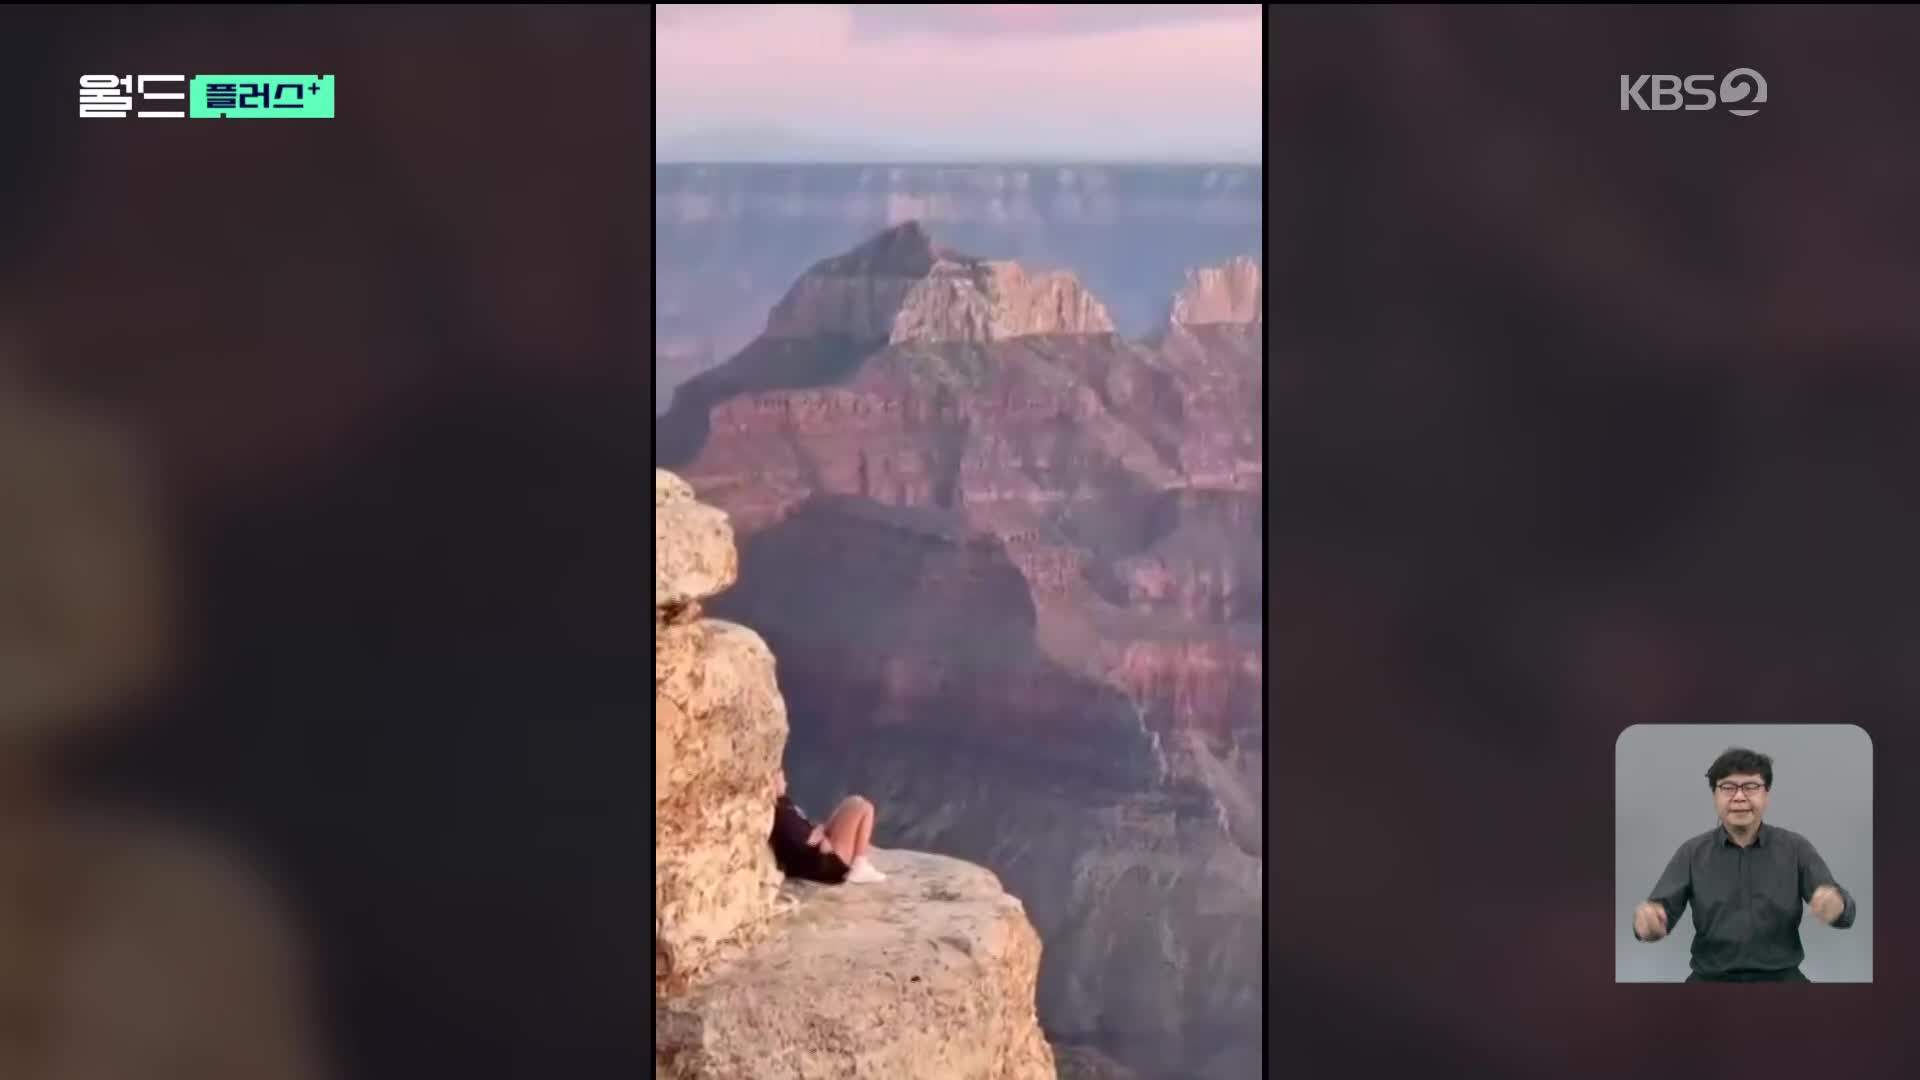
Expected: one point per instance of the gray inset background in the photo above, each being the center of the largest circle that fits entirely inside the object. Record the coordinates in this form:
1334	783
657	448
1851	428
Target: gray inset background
1822	789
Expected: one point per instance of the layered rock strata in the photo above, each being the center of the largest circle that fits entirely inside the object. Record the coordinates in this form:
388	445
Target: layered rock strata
1015	583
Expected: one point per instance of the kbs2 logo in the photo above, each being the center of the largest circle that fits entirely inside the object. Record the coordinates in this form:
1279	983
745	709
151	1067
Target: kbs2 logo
1736	88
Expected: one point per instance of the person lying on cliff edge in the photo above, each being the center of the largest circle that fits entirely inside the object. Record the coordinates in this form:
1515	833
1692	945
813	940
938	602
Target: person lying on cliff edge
830	853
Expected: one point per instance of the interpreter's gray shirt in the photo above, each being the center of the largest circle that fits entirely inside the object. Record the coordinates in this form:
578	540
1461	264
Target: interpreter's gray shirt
1747	902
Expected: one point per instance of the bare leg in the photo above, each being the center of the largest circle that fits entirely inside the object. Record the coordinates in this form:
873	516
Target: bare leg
851	828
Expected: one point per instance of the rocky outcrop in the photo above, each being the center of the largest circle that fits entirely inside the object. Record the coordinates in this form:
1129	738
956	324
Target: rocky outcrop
929	974
1219	294
718	732
1041	556
901	287
719	728
693	552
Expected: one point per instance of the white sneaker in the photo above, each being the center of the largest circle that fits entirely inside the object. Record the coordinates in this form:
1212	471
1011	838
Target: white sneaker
863	873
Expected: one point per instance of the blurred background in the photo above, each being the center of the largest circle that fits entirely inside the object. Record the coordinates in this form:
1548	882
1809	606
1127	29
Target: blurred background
320	549
1582	418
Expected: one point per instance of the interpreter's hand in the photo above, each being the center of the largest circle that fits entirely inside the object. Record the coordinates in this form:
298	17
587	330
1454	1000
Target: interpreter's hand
1827	903
1650	921
817	837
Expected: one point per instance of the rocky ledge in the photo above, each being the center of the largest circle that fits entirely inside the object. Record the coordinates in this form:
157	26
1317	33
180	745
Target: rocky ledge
928	974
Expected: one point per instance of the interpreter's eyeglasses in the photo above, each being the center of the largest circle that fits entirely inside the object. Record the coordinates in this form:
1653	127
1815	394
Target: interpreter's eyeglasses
1749	787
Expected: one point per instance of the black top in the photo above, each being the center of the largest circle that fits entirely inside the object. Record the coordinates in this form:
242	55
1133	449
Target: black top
1747	902
789	839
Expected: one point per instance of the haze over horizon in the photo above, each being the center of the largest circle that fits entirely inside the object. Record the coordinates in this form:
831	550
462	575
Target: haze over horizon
776	146
952	84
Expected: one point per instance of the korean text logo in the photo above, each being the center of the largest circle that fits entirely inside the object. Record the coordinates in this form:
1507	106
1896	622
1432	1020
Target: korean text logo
208	97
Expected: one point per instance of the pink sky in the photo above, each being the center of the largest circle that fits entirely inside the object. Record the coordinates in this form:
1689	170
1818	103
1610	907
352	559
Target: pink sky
1121	81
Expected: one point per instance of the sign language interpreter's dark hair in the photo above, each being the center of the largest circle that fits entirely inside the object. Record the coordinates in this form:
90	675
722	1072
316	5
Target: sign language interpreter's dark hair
1739	759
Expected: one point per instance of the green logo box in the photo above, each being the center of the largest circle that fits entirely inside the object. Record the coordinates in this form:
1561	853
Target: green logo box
260	97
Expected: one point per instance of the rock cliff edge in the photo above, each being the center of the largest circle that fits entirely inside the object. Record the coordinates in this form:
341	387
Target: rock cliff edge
930	974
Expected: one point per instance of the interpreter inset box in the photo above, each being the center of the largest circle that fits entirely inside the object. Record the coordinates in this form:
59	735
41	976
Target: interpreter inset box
1743	853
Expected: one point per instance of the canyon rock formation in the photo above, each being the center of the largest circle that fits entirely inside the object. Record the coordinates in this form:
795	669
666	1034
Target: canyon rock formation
731	239
902	287
928	974
1010	561
1220	294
